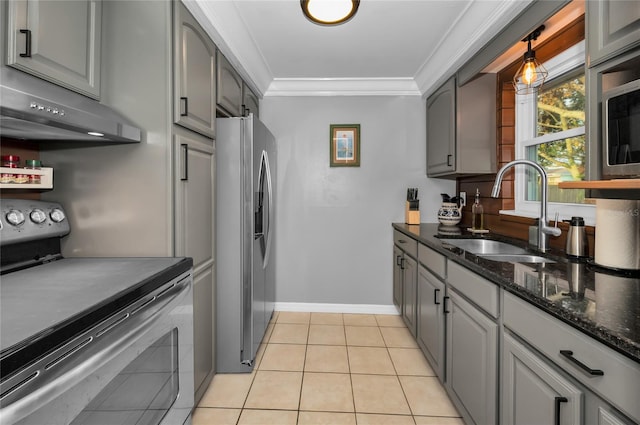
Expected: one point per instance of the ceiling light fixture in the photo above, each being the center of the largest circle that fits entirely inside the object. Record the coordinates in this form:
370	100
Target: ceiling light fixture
531	73
329	12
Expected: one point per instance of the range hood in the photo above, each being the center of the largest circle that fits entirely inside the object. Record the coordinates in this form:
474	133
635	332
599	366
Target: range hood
36	110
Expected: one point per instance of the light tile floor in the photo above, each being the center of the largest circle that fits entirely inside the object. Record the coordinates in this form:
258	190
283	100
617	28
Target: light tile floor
321	368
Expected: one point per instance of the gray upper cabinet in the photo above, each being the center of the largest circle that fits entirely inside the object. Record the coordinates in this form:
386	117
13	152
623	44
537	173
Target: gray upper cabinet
441	130
461	128
58	41
249	102
194	75
229	90
613	27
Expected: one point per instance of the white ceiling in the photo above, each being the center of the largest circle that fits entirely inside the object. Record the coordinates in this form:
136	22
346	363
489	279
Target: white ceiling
389	47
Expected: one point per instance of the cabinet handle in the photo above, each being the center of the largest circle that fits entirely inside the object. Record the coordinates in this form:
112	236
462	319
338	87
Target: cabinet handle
401	241
402	263
569	355
185	102
445	310
398	258
559	400
449	160
27	48
185	166
435	296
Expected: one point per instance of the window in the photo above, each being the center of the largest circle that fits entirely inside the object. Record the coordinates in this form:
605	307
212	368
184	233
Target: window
550	130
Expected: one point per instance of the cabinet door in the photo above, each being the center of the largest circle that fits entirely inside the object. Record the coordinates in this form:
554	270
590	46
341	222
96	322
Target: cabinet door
472	360
203	327
229	92
194	75
430	322
194	237
58	41
441	130
409	279
613	27
533	392
397	278
249	102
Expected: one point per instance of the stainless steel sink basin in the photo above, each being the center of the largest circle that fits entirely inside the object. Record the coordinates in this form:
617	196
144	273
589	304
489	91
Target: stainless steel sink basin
517	258
485	246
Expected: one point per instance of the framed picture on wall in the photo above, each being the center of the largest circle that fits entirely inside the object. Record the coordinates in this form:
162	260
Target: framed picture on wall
344	145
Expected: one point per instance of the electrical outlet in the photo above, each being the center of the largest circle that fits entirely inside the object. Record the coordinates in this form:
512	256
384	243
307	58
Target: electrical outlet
463	199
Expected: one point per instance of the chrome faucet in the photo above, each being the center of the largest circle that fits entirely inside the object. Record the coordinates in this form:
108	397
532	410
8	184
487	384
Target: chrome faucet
543	229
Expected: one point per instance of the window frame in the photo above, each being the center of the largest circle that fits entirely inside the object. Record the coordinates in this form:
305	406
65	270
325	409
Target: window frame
564	64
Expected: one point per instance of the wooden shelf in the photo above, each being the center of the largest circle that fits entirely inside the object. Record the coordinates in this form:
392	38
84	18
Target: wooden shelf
45	173
602	184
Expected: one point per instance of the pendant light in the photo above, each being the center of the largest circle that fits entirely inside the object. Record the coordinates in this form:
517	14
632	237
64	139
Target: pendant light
329	12
531	73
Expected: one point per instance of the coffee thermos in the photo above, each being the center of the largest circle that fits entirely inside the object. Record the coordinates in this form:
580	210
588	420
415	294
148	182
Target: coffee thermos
577	245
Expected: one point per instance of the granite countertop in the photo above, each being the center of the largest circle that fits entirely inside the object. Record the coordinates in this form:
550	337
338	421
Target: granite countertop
600	303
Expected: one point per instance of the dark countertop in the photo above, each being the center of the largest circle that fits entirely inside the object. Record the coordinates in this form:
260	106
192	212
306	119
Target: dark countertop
600	303
42	307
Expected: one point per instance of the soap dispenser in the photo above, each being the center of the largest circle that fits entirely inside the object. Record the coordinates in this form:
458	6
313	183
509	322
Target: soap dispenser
477	213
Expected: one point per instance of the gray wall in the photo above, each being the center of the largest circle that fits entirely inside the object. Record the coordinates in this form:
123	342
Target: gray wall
334	237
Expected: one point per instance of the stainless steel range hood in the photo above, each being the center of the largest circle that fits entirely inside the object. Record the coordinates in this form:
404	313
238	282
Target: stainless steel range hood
36	110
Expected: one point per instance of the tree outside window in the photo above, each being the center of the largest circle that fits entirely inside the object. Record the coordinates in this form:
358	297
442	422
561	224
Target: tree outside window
559	143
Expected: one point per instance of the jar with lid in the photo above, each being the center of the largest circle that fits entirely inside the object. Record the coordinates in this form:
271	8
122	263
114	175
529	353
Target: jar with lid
33	164
10	161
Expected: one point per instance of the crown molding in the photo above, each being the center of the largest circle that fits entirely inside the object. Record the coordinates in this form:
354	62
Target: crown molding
343	87
232	37
459	46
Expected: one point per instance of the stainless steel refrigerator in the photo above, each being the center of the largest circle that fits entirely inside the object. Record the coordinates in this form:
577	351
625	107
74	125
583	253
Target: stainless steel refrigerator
245	260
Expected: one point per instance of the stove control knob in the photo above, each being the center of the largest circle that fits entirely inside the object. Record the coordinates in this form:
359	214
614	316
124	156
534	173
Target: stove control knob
38	216
15	217
57	215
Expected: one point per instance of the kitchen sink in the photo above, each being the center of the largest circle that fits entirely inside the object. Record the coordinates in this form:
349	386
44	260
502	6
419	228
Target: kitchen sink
517	258
482	247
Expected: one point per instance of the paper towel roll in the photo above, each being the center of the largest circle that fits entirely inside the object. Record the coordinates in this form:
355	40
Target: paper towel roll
618	233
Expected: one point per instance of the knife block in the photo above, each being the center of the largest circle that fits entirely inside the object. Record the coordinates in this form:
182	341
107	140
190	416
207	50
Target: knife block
411	216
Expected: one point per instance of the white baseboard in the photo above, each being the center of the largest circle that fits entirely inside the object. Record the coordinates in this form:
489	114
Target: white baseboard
337	308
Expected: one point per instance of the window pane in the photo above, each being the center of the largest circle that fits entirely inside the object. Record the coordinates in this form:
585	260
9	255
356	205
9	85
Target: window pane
561	106
563	160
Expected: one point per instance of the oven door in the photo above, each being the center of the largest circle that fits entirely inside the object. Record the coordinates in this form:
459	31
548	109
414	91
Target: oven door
134	368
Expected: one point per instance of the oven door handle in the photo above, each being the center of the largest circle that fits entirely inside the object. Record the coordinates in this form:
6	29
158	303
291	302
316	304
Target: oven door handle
61	370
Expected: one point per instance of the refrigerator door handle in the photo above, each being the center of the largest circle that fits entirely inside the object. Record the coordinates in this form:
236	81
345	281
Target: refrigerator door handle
262	225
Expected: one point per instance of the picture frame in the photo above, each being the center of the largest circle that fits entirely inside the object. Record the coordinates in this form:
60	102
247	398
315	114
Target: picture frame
344	141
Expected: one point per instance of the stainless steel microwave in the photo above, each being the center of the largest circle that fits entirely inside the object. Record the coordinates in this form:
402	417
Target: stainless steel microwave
621	131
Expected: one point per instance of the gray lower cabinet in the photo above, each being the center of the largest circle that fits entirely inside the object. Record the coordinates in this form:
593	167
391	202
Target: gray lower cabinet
431	330
409	293
597	368
193	74
397	278
471	360
405	253
613	27
533	392
59	41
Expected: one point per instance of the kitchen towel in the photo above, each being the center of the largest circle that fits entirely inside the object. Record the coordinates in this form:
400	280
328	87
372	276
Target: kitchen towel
618	233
